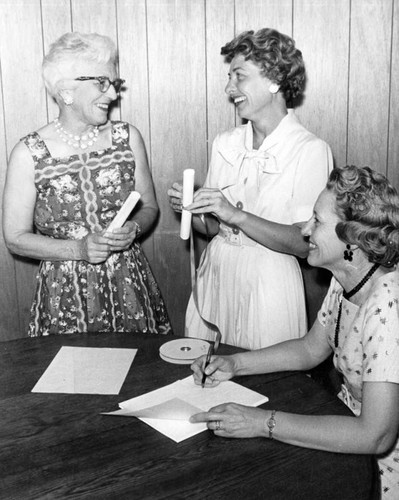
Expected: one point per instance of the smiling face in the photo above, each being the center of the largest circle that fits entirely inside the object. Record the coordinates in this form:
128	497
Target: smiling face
90	105
248	89
325	248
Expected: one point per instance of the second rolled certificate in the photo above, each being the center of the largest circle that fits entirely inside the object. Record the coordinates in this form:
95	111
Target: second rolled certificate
188	192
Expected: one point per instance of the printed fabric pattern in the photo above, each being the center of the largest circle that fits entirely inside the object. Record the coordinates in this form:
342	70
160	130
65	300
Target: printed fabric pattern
75	196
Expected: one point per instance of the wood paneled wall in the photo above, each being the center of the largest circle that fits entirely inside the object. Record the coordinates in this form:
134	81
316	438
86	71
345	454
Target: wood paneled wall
169	55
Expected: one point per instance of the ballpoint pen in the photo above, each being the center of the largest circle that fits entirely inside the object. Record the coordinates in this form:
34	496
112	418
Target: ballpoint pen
207	361
212	350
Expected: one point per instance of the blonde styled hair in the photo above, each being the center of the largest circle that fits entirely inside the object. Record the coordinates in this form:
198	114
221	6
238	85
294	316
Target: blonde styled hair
368	206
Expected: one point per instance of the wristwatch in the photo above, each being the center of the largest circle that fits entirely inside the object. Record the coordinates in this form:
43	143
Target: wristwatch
271	424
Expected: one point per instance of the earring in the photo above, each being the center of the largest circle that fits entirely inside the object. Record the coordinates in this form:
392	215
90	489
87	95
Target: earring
348	253
274	88
68	100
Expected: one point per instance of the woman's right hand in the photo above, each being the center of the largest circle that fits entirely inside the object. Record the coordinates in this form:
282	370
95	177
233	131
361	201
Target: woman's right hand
95	248
220	368
175	194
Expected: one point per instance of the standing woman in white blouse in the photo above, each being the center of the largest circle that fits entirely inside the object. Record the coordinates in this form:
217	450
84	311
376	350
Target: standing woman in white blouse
263	180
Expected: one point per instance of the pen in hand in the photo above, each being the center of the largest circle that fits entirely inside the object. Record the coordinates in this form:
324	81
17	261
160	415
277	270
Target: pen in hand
207	361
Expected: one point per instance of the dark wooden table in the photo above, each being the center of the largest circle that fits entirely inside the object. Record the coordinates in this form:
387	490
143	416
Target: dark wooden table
59	446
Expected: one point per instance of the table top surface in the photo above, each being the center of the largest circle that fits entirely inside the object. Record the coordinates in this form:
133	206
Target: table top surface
60	446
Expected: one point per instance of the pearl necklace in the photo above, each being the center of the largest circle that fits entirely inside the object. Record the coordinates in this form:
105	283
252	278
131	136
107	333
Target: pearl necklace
348	295
74	140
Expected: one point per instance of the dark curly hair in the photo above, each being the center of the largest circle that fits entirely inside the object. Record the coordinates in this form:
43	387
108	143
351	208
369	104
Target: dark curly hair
275	54
368	206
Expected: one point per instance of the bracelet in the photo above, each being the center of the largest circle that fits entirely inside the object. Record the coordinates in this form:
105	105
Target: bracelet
271	424
138	228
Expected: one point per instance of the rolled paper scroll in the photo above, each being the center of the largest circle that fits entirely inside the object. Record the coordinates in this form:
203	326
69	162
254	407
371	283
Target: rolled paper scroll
188	192
124	211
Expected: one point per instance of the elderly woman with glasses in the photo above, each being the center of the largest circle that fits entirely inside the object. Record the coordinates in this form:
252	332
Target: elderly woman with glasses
263	179
65	184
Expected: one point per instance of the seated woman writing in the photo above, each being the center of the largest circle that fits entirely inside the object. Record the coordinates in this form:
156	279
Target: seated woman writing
354	233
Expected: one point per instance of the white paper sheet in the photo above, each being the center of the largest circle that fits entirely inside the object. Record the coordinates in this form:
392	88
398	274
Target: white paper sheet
194	395
86	370
174	409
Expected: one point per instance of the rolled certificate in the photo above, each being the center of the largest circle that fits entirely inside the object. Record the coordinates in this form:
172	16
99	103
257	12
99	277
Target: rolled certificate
124	211
188	192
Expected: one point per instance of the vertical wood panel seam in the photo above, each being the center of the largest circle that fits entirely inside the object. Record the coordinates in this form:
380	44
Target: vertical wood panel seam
390	88
70	14
21	323
119	101
349	82
46	96
292	18
117	48
206	85
7	155
71	11
235	17
4	110
149	87
235	33
149	152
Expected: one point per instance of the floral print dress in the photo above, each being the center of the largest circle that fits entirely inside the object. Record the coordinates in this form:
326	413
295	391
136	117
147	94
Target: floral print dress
75	196
368	351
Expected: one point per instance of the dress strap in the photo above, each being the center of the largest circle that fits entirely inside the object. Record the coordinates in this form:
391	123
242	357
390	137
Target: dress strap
120	133
36	146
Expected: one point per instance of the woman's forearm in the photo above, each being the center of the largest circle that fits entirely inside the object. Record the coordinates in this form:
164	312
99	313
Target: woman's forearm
285	356
36	246
339	434
278	237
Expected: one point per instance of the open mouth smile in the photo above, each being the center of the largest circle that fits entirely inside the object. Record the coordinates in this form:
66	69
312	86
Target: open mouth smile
239	99
102	106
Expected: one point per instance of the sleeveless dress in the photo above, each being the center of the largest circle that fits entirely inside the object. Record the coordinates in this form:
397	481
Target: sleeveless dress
77	195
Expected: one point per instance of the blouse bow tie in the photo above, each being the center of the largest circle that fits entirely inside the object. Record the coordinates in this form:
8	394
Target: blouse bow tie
265	161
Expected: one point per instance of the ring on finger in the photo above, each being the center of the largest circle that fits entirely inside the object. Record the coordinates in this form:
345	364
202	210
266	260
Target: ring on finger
217	425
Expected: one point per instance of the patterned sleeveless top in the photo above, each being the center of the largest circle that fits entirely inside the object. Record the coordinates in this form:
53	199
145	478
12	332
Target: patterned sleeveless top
78	195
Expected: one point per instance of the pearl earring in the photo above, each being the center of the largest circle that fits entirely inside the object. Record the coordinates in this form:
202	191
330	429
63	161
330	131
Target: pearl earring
68	100
274	88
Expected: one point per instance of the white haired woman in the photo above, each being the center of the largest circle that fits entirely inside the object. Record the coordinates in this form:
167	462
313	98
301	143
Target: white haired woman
68	180
354	232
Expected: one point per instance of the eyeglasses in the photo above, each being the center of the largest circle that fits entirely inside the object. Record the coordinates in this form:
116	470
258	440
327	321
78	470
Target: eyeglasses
104	82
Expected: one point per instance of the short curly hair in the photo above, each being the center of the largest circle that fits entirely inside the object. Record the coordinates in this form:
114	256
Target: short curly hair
71	47
368	206
276	55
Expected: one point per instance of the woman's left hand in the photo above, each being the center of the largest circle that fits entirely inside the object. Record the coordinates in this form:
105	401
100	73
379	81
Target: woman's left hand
234	421
121	239
209	200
